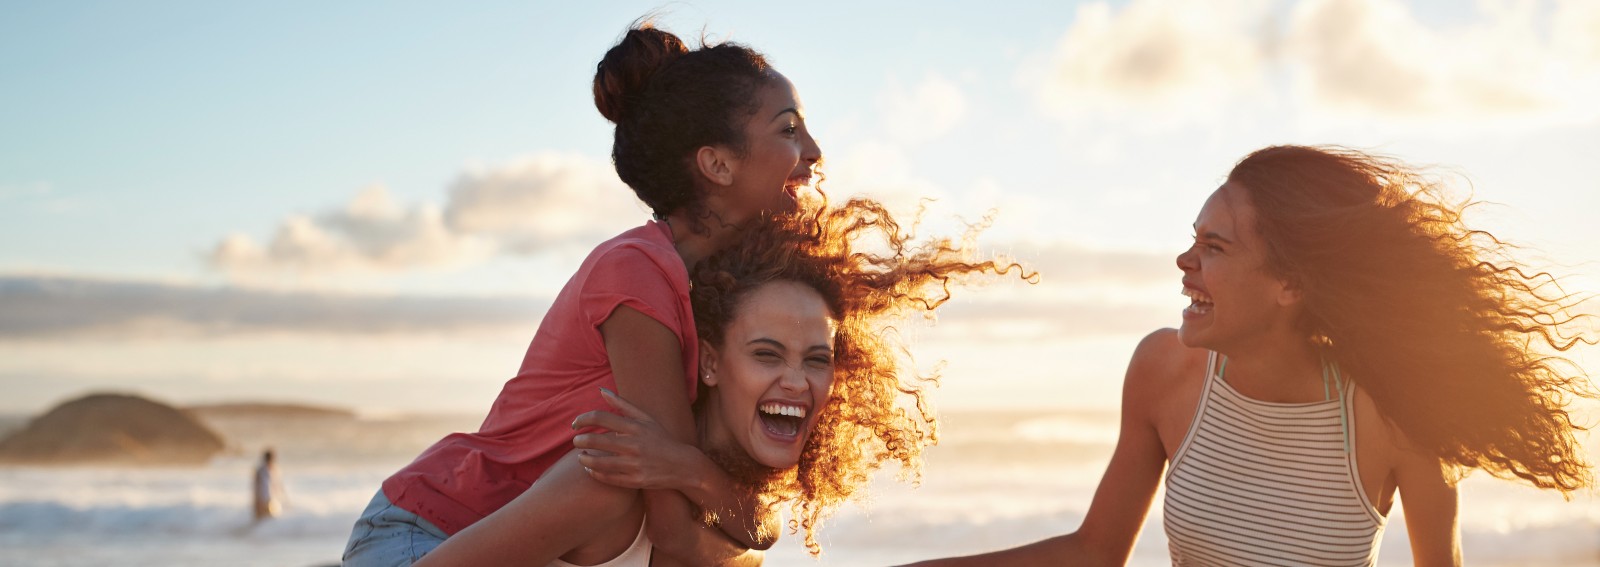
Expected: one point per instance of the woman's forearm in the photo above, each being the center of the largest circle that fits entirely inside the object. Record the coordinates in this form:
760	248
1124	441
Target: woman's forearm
674	526
526	531
736	510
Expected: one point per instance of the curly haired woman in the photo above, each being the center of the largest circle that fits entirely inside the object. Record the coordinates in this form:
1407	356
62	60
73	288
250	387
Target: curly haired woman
802	395
1348	339
711	139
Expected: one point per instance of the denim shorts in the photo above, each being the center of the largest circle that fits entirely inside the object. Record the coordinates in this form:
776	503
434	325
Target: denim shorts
387	536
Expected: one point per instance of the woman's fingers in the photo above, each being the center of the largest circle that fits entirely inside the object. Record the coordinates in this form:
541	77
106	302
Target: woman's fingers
608	442
612	470
606	420
623	406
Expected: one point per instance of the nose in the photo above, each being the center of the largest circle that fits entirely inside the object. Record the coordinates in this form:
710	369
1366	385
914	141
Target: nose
794	380
810	152
1187	262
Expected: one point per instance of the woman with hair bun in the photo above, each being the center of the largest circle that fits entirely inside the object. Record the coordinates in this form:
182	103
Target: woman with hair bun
712	140
802	395
1348	340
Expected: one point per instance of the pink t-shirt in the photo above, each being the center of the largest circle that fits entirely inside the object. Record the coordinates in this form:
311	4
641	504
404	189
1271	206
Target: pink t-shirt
467	476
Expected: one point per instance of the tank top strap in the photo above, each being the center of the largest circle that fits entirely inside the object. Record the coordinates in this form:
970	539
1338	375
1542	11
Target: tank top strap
1214	363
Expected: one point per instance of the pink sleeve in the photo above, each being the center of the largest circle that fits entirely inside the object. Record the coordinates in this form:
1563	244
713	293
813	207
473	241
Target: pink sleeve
630	276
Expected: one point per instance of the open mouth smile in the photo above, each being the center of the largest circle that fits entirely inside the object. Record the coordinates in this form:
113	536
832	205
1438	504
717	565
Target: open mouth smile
1199	302
782	420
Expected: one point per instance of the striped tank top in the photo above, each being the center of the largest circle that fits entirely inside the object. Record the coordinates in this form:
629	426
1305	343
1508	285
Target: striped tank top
1261	483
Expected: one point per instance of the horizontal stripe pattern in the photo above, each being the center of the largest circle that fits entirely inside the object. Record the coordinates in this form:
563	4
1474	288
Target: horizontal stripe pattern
1259	483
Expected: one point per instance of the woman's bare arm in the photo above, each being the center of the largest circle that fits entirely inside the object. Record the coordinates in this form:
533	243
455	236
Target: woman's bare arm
647	363
635	452
1123	498
562	510
1431	508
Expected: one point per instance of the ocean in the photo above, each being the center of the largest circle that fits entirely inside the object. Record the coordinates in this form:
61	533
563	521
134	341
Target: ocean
998	478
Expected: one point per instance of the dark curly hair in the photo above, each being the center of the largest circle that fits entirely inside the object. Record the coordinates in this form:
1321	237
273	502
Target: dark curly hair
1439	323
667	101
878	411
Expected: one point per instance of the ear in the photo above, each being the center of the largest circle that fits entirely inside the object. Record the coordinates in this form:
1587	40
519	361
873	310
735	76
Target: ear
708	364
1290	293
717	164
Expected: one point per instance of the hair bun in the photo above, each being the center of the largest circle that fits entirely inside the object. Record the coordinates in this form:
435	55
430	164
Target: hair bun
628	66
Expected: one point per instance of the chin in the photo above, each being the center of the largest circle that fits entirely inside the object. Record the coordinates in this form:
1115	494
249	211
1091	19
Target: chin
1190	337
779	460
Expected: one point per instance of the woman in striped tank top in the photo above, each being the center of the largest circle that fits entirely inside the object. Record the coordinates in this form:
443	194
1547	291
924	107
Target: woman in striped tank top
1349	339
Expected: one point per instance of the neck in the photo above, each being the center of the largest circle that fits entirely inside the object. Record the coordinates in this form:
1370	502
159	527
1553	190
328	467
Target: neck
711	428
693	247
718	445
1280	368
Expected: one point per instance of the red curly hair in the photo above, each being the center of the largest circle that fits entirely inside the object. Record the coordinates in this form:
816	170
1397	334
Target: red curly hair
1439	323
879	408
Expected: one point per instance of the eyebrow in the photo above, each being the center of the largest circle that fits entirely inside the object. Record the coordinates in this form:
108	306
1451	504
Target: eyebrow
790	109
1212	235
780	346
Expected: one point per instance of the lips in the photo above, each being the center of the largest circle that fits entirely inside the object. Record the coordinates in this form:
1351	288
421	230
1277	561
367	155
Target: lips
782	420
1200	302
792	185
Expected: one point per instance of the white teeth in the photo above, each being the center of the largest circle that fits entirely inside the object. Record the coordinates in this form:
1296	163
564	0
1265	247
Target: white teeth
783	409
1196	295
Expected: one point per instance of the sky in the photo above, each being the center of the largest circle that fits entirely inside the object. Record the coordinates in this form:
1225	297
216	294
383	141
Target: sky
370	204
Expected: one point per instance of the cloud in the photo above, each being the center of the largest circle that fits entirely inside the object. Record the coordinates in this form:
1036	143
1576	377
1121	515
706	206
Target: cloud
548	202
1168	55
1051	319
1513	62
927	110
542	201
1078	266
48	307
1372	56
1575	31
371	233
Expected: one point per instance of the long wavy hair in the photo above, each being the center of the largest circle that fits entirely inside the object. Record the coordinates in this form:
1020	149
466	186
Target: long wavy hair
879	409
1453	337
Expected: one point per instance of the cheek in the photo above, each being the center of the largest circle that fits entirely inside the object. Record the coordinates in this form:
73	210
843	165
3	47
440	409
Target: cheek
783	157
822	384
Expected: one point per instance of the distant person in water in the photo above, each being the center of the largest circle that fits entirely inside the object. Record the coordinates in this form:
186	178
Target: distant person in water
268	488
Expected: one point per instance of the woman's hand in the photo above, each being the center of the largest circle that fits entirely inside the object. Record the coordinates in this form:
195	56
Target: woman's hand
636	452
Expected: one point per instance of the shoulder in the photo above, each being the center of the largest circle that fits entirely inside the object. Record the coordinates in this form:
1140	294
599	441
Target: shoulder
1163	369
1380	443
638	256
1161	359
644	243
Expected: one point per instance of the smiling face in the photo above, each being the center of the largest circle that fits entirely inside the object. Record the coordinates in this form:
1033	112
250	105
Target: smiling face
771	375
1233	298
778	159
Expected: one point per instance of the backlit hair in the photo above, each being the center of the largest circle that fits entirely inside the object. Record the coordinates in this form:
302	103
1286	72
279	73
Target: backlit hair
879	409
1438	322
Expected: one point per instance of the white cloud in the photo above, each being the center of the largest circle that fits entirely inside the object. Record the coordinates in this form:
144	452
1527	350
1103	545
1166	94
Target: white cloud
63	306
542	203
1575	32
1168	56
880	169
927	110
1372	56
1514	62
372	233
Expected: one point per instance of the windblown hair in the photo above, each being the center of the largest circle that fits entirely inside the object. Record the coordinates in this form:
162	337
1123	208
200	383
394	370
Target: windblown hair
879	409
667	101
1439	323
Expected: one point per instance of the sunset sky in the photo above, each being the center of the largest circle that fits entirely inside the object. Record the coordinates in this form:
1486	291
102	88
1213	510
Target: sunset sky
369	204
